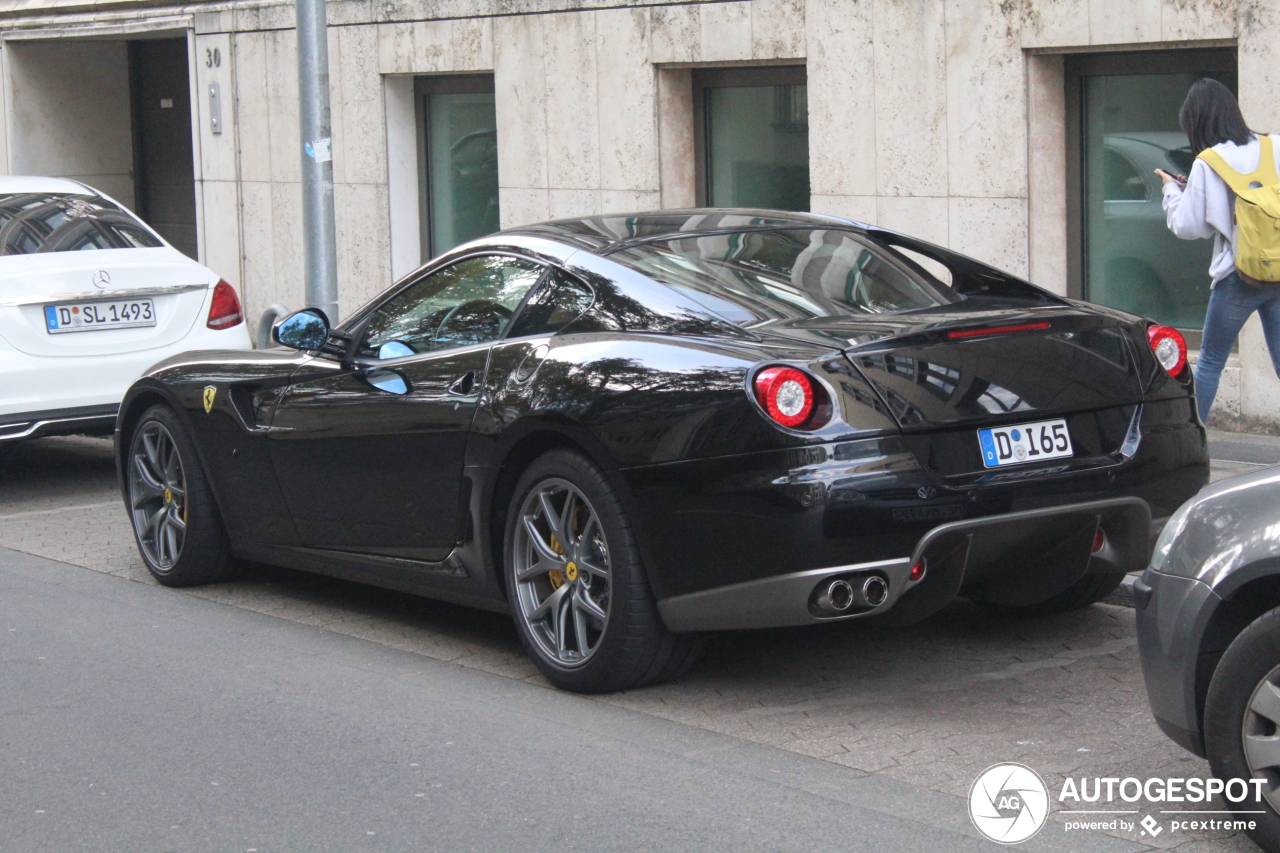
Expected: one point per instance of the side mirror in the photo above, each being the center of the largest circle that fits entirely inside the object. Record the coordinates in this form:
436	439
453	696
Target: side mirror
307	329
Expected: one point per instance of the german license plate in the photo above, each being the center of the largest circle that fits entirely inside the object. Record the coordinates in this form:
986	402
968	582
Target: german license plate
91	316
1014	445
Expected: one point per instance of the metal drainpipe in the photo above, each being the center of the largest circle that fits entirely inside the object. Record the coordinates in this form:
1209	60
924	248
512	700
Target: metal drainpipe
319	233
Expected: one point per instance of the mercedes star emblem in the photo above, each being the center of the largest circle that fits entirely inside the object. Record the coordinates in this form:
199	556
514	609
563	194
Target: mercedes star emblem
101	280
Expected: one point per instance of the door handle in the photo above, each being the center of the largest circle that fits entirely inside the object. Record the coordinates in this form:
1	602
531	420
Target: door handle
464	384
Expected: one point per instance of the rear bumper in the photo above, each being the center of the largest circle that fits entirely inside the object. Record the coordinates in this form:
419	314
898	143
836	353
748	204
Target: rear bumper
84	419
1015	558
32	385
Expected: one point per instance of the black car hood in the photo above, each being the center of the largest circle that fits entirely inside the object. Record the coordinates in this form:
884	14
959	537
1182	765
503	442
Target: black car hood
999	362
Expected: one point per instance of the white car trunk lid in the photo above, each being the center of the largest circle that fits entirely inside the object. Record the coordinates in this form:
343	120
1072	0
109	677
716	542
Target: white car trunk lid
177	287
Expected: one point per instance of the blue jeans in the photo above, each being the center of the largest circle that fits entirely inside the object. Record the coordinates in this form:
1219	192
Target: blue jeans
1230	304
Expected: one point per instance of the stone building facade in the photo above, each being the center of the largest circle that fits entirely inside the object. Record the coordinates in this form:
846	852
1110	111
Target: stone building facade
954	120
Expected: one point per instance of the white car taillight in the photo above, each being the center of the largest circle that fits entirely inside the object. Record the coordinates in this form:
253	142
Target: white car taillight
224	310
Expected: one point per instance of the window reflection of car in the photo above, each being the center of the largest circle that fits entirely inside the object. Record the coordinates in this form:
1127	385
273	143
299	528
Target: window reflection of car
1147	270
474	163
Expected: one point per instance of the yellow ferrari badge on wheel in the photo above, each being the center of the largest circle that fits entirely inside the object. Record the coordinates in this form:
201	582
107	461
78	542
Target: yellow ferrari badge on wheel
209	393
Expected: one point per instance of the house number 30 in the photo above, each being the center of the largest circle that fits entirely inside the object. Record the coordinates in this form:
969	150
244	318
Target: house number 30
212	58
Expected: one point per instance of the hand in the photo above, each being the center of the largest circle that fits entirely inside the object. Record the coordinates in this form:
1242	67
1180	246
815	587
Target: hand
1166	178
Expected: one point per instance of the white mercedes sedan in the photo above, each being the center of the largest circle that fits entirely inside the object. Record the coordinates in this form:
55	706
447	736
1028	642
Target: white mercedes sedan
90	297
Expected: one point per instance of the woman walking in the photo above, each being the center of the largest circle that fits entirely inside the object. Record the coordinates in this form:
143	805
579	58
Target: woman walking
1203	205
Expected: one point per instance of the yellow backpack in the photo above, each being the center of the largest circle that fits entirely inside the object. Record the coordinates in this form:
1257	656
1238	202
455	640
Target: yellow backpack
1257	213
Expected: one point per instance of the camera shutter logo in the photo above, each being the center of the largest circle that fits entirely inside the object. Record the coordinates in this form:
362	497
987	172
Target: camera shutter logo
1009	803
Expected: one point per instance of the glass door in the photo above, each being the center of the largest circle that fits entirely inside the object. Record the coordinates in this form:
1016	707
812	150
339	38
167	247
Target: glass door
752	131
1126	112
459	133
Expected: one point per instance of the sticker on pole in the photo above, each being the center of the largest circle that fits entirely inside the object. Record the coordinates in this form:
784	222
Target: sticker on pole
321	150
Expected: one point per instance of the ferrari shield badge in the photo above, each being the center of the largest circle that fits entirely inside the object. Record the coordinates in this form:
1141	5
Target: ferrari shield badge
209	393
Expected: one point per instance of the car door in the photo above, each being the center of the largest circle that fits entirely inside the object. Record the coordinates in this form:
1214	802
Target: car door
369	451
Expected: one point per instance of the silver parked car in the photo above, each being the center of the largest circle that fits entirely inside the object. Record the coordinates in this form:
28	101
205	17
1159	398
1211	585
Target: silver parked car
1209	634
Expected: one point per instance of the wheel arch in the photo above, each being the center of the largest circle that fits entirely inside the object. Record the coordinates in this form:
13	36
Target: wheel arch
520	447
1237	611
136	402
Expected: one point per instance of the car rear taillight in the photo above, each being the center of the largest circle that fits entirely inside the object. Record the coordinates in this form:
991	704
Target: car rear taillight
1170	349
224	309
791	397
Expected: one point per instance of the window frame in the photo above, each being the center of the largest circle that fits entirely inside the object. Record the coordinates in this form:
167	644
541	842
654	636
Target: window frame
741	76
424	86
1078	67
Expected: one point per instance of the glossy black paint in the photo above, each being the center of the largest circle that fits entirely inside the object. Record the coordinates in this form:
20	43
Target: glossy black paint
315	466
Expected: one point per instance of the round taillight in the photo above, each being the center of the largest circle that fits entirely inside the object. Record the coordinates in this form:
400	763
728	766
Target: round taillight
1170	349
787	394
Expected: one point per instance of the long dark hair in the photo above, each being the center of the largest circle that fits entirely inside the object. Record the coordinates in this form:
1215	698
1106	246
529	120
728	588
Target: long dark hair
1210	115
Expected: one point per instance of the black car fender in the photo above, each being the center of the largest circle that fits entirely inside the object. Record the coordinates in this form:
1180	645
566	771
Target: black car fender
508	457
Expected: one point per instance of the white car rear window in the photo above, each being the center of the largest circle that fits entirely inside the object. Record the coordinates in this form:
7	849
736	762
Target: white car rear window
64	222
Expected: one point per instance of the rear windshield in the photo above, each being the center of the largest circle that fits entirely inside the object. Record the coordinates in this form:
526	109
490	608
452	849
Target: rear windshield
64	222
756	276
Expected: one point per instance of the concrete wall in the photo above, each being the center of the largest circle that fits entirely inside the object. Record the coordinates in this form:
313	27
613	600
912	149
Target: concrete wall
68	112
944	118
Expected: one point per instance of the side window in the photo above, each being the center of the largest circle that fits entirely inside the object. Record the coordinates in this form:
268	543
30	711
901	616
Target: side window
470	302
553	306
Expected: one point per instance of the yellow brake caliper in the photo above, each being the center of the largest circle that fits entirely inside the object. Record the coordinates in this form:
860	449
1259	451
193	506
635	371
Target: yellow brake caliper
556	576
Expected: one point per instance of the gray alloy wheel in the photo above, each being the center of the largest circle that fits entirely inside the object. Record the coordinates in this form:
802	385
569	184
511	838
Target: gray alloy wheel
1260	735
562	572
158	495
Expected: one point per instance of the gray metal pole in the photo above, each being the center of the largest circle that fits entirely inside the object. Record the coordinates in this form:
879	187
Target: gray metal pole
319	233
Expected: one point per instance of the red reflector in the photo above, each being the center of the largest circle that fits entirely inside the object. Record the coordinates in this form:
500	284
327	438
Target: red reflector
997	330
224	309
1170	348
918	570
1099	540
786	394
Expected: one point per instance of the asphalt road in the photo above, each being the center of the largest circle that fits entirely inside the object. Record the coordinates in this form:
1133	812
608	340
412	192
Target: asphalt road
134	719
308	700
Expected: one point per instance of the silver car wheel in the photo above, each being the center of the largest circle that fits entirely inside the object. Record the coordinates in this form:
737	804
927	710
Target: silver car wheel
157	495
1261	735
562	577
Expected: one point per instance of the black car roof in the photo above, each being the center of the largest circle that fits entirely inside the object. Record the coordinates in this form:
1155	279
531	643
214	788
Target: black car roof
599	234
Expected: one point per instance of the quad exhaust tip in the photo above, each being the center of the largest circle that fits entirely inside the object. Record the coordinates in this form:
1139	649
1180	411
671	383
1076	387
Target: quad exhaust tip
840	596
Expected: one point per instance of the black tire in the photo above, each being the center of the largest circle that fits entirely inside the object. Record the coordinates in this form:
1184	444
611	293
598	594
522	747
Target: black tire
633	647
1090	589
1254	656
204	554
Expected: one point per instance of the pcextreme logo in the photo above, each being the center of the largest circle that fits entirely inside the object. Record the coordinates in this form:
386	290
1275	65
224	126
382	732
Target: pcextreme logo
1009	803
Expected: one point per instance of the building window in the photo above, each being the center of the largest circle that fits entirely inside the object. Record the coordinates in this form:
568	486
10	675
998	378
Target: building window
1122	113
458	133
751	128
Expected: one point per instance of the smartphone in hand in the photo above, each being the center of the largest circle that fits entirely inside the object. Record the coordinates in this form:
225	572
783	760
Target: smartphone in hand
1181	180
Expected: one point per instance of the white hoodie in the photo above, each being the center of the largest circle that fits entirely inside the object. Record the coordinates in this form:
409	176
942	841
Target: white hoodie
1206	208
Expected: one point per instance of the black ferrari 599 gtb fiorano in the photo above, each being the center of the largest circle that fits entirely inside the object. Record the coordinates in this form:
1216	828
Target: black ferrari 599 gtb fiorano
626	430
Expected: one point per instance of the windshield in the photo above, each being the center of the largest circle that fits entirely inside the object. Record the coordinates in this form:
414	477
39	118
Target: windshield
66	222
757	276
